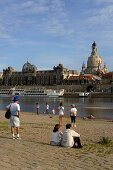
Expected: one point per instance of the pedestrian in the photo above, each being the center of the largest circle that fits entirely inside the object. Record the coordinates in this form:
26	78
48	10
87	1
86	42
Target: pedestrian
70	138
56	136
37	105
61	113
73	113
15	115
47	108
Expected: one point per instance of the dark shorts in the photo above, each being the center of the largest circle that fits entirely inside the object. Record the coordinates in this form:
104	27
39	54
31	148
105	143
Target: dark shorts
73	118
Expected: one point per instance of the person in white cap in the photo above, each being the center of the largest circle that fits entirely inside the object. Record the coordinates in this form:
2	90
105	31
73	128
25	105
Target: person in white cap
15	114
73	113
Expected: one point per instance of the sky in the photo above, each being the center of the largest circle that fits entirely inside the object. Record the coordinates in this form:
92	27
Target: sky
49	32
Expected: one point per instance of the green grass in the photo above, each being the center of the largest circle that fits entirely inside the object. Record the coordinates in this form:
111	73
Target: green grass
105	141
4	125
99	149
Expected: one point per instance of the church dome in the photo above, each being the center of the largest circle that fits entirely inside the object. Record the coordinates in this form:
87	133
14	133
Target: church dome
27	67
94	61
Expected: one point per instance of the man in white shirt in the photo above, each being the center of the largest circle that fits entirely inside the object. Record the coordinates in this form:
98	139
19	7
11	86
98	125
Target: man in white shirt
15	114
37	105
47	108
70	138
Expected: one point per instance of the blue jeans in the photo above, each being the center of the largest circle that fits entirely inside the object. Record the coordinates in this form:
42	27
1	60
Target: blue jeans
47	111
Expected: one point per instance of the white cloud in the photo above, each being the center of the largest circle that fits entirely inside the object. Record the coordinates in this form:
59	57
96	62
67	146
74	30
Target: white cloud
103	1
50	17
4	36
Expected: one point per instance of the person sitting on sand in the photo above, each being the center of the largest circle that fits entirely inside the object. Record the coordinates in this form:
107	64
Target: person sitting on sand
56	136
70	138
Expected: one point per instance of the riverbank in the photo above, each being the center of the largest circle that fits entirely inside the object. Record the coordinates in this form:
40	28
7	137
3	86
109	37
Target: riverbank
33	151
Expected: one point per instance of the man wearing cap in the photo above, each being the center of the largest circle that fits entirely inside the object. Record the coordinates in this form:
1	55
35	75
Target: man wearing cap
15	114
73	113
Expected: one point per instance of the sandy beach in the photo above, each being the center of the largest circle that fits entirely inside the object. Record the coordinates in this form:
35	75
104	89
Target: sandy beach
33	150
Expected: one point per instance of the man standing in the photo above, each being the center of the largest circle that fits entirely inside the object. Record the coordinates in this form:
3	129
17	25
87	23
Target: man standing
70	138
15	114
37	105
47	108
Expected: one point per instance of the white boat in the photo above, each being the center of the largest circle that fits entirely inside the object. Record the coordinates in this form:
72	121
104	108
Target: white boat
32	92
83	94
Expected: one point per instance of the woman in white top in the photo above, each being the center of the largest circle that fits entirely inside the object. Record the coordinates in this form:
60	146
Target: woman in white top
56	136
73	113
61	113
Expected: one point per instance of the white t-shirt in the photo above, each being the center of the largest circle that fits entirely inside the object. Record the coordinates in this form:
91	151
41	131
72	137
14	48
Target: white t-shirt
67	138
14	108
56	137
61	109
37	106
47	107
72	111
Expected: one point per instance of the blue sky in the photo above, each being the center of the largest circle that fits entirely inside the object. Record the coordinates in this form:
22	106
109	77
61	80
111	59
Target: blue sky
49	32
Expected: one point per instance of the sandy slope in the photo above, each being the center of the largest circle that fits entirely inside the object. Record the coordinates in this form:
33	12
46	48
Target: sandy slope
34	152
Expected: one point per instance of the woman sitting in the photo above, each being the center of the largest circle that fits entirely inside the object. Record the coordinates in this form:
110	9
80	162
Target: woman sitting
56	136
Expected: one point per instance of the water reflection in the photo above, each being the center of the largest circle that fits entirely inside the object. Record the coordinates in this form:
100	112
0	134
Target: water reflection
28	104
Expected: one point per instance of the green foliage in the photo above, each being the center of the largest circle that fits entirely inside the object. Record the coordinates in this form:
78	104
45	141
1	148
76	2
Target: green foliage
102	150
4	125
105	141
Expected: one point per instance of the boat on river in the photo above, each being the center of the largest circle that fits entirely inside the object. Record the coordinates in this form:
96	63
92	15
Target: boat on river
83	94
32	92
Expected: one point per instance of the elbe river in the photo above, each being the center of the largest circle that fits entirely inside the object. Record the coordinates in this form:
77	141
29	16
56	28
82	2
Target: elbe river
98	107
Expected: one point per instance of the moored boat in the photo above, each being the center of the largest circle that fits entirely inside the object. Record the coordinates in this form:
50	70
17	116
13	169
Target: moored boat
83	94
32	92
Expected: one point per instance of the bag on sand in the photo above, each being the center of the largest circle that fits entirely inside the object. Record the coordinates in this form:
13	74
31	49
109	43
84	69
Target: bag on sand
8	114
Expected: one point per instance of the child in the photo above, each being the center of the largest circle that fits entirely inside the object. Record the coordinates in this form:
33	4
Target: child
53	111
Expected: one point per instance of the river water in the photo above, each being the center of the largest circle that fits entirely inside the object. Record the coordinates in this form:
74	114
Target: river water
83	105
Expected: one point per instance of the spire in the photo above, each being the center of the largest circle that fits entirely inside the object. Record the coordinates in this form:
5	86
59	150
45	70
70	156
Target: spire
94	44
27	60
83	65
105	65
105	68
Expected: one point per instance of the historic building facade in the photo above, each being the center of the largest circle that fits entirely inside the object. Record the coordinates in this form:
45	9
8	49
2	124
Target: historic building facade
51	77
31	76
94	63
26	77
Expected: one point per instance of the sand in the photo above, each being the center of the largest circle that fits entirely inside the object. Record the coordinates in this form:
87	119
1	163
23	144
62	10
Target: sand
33	150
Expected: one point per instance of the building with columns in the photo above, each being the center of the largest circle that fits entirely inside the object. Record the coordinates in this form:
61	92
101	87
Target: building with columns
94	63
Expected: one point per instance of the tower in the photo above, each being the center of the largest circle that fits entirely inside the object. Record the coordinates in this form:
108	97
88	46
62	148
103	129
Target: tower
94	63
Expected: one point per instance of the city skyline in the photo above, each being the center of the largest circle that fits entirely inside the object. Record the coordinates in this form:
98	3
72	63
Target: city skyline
49	32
